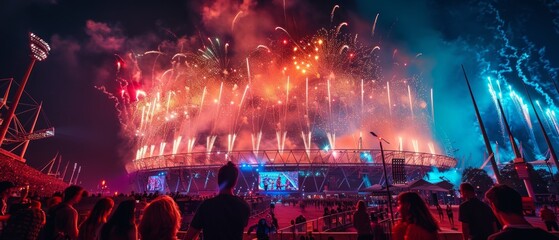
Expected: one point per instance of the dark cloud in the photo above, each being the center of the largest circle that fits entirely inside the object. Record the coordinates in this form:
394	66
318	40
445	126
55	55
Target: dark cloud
103	38
489	38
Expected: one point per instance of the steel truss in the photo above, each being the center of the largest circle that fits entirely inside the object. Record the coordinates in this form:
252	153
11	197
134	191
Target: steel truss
23	127
345	170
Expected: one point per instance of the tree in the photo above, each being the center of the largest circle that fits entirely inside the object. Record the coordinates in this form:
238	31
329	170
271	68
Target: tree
543	179
478	178
537	178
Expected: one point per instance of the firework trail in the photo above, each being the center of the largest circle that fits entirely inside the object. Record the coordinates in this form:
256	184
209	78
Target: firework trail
522	109
120	115
340	27
374	25
504	51
235	20
553	7
495	97
536	86
547	120
552	71
432	107
309	93
332	13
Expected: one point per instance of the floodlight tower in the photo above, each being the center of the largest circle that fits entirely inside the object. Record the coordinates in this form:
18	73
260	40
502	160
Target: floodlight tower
39	52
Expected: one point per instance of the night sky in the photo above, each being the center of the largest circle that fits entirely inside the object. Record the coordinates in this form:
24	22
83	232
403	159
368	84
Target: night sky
512	41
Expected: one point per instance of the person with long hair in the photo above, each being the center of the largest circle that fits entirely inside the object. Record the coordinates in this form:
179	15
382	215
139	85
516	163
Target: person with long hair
417	222
161	220
361	222
121	225
97	217
263	229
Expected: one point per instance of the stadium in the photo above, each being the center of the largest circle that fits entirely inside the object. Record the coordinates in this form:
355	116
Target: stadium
341	170
292	109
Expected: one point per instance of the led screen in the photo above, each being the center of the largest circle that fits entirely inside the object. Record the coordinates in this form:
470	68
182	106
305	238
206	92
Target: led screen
278	181
156	183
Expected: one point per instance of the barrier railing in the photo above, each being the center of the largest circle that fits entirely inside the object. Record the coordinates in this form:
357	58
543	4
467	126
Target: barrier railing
333	222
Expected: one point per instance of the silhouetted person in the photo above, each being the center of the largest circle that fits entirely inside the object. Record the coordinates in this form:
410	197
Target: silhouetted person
327	219
161	220
62	219
275	224
378	232
263	229
450	215
265	184
299	220
97	217
440	212
121	225
478	221
25	223
278	183
549	218
362	222
6	188
224	216
506	203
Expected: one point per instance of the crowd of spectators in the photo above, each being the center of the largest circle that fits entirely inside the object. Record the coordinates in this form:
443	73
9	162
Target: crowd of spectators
188	204
76	215
73	214
22	175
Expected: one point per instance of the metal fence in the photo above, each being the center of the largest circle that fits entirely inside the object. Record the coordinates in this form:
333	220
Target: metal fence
330	223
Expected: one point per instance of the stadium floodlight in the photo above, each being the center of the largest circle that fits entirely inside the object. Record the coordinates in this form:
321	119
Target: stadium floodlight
36	135
39	52
39	48
388	194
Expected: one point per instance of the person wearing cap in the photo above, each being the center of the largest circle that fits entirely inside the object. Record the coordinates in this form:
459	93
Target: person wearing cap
6	188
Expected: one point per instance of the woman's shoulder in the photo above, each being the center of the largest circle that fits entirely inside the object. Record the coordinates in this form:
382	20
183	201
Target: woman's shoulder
400	227
399	230
420	233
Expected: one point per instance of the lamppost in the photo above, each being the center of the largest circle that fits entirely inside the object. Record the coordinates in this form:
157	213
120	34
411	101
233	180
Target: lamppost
380	140
39	52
